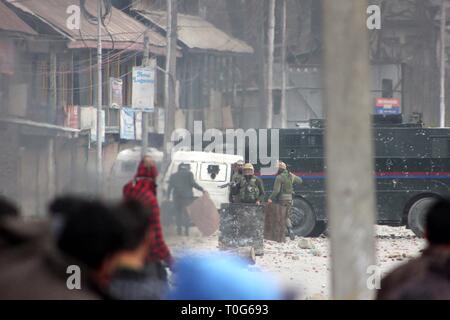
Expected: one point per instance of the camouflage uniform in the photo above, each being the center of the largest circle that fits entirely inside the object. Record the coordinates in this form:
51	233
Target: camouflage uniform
234	186
282	193
251	189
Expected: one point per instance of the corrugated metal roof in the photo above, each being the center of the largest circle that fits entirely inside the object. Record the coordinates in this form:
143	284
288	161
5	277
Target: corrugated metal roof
127	32
197	33
9	21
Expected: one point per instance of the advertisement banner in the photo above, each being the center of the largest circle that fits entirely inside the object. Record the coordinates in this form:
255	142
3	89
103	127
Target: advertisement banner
138	125
143	90
387	106
88	121
115	92
127	124
71	117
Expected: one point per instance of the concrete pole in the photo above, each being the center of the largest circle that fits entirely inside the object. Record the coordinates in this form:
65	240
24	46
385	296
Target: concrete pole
270	53
99	98
170	75
442	64
146	63
283	111
349	147
51	177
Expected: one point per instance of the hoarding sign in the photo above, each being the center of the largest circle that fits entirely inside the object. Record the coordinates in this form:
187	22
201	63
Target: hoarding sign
88	120
127	124
115	92
71	117
143	91
387	106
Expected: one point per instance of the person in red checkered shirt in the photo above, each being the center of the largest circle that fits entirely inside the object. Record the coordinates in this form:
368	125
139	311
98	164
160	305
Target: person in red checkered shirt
143	189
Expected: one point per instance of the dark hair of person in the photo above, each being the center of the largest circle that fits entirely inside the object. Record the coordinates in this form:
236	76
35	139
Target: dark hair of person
91	233
65	205
135	221
438	222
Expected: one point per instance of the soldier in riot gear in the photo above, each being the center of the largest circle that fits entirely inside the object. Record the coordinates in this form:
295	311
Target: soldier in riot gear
251	189
283	190
182	183
235	179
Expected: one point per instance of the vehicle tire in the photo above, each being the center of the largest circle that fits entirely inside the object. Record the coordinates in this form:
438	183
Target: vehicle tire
303	218
320	227
417	213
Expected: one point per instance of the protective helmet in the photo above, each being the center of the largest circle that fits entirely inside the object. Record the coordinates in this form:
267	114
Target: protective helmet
240	163
184	166
248	169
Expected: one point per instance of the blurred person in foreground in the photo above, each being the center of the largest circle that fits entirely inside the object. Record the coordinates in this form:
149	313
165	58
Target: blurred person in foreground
428	276
133	277
8	208
219	276
72	261
143	189
8	211
182	183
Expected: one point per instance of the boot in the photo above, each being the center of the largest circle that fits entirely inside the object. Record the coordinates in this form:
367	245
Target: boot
291	234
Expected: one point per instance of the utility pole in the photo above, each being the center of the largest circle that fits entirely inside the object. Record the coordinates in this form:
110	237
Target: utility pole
51	141
145	63
349	148
170	99
99	97
283	111
270	53
443	61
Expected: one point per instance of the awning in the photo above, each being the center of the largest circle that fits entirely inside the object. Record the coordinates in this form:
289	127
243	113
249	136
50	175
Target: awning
9	21
126	32
198	34
46	129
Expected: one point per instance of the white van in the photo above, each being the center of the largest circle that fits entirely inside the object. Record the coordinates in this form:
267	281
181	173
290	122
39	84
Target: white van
211	170
125	167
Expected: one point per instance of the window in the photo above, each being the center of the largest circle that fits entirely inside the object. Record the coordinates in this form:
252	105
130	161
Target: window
276	100
213	172
440	147
387	88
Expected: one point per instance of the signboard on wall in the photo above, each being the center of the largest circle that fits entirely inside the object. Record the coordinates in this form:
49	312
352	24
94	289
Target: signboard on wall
127	124
138	125
115	92
143	89
71	117
88	120
387	106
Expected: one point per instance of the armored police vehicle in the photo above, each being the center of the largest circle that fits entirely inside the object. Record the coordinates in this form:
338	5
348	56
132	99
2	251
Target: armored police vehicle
412	169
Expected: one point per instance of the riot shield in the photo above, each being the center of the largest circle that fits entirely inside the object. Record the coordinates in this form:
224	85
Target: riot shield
203	214
242	225
275	222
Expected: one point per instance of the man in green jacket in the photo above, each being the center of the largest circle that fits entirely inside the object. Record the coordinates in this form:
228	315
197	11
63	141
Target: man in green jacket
283	189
